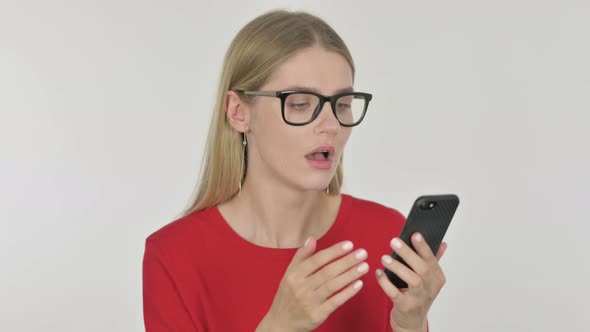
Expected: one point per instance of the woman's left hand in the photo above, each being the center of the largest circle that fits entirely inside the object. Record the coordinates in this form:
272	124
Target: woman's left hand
424	283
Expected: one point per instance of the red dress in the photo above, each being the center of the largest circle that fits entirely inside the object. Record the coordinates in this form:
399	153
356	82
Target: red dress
200	275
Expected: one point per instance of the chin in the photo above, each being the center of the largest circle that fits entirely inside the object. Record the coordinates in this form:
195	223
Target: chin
310	179
316	183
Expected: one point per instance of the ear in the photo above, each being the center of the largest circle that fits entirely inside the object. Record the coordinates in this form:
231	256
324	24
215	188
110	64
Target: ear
236	111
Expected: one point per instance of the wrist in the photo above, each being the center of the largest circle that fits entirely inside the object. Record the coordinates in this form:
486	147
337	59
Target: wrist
269	324
266	325
423	327
397	329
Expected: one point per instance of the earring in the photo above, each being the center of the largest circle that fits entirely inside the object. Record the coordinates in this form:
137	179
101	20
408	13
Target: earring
244	143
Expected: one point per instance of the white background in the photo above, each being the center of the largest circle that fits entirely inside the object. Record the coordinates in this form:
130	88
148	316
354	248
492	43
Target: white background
105	107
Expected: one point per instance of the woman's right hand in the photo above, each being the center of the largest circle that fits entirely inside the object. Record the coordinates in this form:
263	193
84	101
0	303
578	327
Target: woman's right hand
312	289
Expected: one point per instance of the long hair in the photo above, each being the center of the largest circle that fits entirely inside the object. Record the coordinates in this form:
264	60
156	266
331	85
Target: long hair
254	54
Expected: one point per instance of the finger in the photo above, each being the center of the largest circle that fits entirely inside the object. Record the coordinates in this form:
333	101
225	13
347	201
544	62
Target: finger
409	256
441	251
333	303
422	248
305	251
323	257
336	268
402	271
333	285
390	290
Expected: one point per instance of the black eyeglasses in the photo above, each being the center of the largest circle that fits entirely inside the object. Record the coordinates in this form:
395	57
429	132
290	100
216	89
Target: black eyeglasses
302	107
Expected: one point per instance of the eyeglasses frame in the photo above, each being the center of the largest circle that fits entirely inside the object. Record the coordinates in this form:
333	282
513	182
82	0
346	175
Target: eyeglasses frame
282	95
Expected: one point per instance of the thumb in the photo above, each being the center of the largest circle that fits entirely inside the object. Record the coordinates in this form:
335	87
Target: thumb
441	251
306	251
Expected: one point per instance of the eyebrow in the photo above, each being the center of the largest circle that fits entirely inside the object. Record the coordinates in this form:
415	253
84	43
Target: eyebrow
310	89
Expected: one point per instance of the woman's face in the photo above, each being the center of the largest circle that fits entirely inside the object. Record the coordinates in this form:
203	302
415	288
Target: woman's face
286	152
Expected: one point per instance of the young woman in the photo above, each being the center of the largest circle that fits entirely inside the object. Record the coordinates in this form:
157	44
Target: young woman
270	243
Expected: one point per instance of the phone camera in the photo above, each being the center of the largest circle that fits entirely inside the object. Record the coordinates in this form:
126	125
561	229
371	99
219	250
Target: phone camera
427	205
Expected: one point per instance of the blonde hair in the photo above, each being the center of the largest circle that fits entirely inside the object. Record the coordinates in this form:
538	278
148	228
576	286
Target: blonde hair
256	51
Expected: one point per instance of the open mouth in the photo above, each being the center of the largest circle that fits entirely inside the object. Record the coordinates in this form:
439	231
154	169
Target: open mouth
321	157
322	153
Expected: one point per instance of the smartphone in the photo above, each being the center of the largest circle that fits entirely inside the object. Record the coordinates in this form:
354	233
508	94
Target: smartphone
430	215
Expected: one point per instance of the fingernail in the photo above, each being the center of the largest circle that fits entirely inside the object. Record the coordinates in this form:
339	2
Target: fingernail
379	272
419	237
347	245
307	241
387	259
358	284
361	254
396	243
363	267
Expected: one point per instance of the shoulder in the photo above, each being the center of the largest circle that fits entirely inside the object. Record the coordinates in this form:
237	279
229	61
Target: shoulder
373	216
184	233
372	224
374	212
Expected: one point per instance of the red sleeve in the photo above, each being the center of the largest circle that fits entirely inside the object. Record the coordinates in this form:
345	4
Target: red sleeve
163	305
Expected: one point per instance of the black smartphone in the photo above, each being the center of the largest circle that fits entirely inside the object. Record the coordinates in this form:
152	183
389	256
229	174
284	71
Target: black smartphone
430	215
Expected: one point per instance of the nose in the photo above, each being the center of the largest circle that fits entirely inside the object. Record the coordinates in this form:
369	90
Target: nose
326	120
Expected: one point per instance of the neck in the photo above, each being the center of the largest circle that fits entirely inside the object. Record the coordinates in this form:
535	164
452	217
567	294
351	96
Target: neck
278	216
